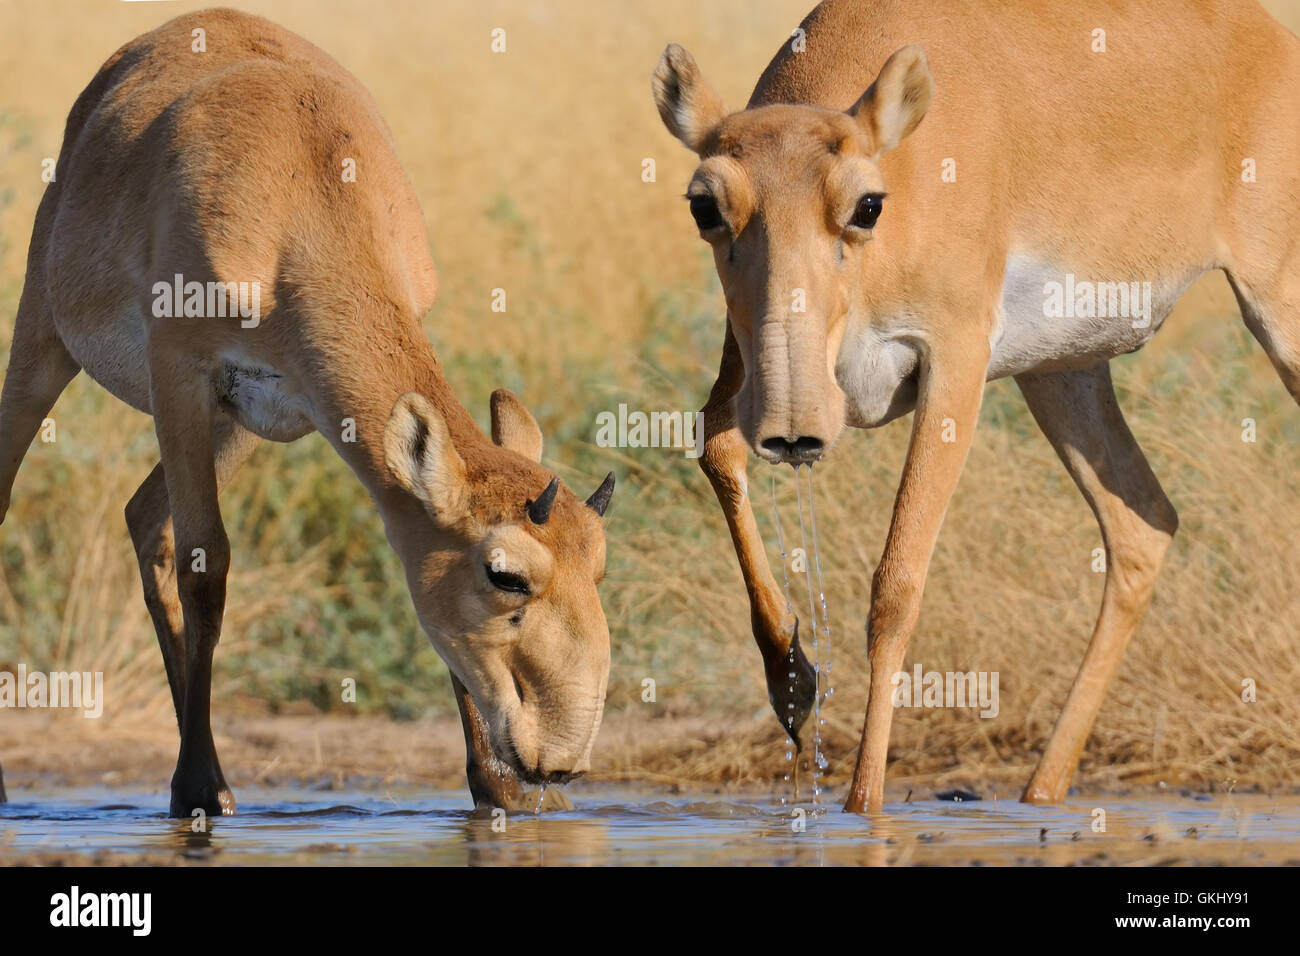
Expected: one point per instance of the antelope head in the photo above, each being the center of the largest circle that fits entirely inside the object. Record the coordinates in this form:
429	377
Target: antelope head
788	196
503	562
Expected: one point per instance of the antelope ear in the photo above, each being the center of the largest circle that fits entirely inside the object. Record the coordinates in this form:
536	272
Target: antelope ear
513	427
688	105
421	456
896	103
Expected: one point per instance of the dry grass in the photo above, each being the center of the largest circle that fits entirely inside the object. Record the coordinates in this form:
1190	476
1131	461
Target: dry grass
528	168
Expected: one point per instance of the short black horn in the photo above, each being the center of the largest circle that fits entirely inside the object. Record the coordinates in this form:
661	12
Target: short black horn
599	499
540	510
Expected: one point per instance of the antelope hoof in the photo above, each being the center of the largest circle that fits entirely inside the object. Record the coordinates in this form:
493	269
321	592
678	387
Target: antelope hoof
1040	794
213	798
792	688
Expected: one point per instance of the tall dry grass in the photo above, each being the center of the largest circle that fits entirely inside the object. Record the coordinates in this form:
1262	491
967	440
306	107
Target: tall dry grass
528	167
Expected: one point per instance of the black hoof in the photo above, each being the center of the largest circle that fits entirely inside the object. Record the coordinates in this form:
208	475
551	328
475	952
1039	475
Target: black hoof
792	697
214	800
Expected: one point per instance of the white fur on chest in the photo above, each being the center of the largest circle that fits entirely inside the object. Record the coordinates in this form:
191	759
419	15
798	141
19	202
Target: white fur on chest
876	371
1055	317
1049	317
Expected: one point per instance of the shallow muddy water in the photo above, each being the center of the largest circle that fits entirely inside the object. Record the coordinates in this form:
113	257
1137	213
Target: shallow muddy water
611	826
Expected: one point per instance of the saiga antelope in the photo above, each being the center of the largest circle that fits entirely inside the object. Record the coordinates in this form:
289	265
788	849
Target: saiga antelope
226	165
1110	141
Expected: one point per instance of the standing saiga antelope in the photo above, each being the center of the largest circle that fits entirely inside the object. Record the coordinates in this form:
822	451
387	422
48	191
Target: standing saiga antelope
1116	142
225	165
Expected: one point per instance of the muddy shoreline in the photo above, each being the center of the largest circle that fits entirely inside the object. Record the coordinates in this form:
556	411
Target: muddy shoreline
43	750
94	792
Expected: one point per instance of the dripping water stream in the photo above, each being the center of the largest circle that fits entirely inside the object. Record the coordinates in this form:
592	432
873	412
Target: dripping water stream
822	640
820	623
791	630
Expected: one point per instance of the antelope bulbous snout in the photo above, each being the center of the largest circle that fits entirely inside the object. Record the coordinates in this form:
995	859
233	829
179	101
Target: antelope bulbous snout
790	407
546	732
803	450
557	756
537	775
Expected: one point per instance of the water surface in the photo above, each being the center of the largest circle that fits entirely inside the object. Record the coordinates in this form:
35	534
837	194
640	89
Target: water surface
613	826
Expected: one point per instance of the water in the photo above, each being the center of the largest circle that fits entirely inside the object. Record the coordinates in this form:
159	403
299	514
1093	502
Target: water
821	629
821	635
791	630
611	827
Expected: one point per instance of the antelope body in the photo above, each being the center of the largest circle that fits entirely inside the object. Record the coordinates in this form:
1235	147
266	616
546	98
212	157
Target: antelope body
924	211
227	165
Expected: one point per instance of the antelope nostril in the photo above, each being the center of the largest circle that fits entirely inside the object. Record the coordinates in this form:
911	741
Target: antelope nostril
804	448
519	689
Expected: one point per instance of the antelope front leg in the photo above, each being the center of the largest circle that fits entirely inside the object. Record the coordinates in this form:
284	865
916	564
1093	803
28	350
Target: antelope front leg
184	412
491	781
946	414
723	461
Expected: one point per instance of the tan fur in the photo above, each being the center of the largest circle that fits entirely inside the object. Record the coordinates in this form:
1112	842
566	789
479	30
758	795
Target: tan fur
227	165
1117	166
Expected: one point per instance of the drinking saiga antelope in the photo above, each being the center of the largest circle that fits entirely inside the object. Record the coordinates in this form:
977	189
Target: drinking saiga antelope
227	165
926	210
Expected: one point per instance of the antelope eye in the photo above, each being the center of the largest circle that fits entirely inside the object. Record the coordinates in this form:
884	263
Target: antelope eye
505	581
705	211
867	212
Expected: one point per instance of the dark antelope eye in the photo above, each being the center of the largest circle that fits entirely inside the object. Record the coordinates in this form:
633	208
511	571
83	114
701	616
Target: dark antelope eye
705	211
867	212
505	581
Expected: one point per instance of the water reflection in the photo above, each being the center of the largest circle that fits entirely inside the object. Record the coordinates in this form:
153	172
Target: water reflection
527	839
617	828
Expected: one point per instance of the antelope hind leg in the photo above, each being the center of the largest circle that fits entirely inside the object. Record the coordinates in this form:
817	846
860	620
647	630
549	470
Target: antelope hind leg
1080	416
